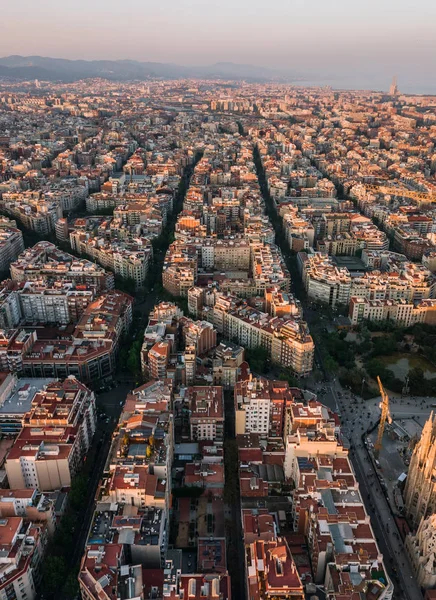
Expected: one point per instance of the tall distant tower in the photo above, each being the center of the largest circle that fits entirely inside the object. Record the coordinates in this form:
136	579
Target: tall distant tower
393	90
420	491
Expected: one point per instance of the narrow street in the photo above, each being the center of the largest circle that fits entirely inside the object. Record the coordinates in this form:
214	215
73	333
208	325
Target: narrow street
234	533
382	521
112	400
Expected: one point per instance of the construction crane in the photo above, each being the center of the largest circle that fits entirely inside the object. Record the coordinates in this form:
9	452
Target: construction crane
385	416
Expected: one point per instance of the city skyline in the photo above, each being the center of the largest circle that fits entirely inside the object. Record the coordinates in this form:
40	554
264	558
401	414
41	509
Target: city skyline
340	45
206	287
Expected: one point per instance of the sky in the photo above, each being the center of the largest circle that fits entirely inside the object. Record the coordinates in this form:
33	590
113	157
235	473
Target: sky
346	43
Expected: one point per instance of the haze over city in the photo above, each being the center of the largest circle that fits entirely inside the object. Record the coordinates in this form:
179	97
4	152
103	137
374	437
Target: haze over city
218	300
339	43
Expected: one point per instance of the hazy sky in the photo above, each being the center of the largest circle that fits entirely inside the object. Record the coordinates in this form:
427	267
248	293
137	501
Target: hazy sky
359	41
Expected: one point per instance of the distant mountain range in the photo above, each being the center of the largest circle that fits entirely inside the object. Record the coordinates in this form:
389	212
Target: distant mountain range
60	69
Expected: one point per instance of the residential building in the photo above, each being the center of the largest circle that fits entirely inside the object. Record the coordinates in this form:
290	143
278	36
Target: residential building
11	243
46	262
206	405
271	571
23	547
323	281
56	435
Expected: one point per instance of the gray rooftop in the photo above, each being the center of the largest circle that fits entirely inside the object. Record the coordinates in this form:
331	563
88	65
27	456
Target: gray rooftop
328	502
20	400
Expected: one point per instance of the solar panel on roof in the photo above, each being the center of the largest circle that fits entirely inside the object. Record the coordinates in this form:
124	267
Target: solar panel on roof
338	540
104	581
304	463
328	502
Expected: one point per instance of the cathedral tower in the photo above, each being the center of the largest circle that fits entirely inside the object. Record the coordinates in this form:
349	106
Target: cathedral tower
420	490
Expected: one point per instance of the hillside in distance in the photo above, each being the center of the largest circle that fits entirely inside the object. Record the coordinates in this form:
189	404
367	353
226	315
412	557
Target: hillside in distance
60	69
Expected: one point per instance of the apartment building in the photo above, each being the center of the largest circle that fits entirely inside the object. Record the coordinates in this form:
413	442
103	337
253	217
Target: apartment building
292	346
429	260
138	486
299	232
133	263
328	507
64	403
46	262
403	313
369	236
23	547
10	309
206	418
195	300
34	210
87	359
162	327
334	223
287	340
271	571
30	504
200	334
11	242
89	352
44	460
109	317
261	406
99	570
405	281
323	280
129	259
253	408
133	501
14	344
412	244
157	360
238	266
56	435
178	279
190	360
281	304
268	268
200	586
226	364
59	304
226	255
179	272
141	455
40	302
102	201
343	244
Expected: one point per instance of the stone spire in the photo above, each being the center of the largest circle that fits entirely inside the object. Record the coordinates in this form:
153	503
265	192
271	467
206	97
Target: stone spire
420	490
424	444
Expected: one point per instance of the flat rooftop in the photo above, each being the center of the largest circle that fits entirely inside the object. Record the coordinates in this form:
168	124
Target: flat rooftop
352	263
19	402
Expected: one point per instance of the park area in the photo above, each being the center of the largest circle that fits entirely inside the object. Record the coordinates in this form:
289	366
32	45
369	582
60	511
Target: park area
404	359
401	364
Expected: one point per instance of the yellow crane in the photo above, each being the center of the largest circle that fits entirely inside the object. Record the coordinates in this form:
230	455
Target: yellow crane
385	416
